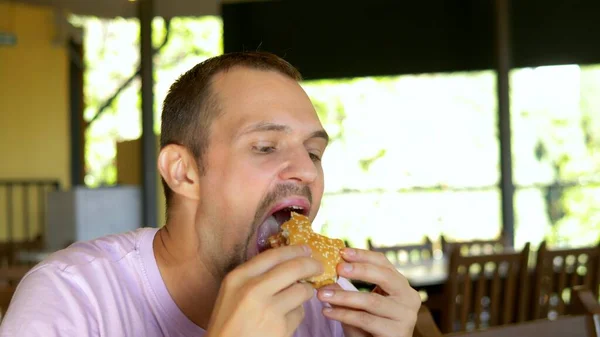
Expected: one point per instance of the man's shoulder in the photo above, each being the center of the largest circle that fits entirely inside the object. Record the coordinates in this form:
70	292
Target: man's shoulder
106	249
75	288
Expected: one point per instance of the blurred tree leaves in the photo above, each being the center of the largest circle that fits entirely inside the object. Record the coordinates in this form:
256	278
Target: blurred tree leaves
572	198
111	57
366	163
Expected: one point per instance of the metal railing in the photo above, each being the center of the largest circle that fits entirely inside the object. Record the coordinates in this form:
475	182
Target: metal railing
23	208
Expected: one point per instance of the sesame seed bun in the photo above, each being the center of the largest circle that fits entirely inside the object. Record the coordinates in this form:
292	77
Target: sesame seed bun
298	231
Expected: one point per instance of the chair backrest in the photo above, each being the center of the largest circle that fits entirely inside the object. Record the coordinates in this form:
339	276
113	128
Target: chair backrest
483	290
557	272
405	254
473	247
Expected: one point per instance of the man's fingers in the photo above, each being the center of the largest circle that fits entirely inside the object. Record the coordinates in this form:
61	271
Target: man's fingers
287	273
293	319
370	302
366	256
389	280
377	326
294	296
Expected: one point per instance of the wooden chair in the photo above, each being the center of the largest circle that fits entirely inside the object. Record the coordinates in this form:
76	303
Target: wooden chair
405	254
565	326
6	294
8	250
483	290
473	247
7	254
425	325
584	302
557	272
35	244
12	275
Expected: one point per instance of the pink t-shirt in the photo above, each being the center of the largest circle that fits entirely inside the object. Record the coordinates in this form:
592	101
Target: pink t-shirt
112	287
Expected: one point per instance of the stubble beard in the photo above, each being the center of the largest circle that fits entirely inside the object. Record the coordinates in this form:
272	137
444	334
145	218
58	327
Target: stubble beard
240	250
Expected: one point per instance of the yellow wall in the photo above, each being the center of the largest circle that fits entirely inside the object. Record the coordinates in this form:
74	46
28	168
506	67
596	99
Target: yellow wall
129	161
34	111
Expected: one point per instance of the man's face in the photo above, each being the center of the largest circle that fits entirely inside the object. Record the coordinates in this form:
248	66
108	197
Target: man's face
263	160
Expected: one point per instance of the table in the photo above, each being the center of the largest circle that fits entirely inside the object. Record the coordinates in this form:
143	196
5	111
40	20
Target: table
429	278
426	274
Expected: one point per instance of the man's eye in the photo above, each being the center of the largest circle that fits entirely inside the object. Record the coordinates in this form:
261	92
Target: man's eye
315	157
263	149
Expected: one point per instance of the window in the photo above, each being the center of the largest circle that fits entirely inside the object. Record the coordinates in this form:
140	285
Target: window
410	156
556	154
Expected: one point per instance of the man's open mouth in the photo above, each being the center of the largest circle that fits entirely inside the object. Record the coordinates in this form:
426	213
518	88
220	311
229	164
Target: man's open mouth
277	216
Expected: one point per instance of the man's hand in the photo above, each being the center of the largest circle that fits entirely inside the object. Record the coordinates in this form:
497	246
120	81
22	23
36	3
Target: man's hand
390	310
262	297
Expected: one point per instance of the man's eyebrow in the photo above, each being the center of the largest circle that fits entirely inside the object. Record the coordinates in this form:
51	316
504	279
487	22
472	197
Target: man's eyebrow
265	126
268	126
320	134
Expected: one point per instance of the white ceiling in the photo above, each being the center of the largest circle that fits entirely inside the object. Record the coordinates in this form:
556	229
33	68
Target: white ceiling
127	8
120	8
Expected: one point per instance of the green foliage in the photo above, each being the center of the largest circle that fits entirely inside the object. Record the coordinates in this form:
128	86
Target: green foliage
567	148
367	162
112	57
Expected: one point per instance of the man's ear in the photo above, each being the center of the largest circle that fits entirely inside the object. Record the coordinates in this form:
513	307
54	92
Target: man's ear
179	169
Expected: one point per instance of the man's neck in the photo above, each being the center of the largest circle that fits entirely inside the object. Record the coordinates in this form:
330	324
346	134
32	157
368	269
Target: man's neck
187	277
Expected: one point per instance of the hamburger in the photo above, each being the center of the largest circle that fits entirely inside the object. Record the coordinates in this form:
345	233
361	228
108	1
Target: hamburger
297	231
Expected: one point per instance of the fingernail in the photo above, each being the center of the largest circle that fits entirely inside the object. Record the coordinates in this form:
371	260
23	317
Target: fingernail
348	252
306	249
327	310
327	293
347	267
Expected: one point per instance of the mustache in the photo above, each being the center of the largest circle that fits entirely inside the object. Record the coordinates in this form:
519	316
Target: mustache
279	192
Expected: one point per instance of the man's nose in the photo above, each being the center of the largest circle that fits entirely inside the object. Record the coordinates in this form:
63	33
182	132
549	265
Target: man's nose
300	167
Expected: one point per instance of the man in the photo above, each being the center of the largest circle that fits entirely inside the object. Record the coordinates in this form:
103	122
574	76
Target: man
240	144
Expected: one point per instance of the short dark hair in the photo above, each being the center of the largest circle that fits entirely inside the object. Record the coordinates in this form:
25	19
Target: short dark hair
190	106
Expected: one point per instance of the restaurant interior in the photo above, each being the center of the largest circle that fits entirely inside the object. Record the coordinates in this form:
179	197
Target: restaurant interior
464	138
